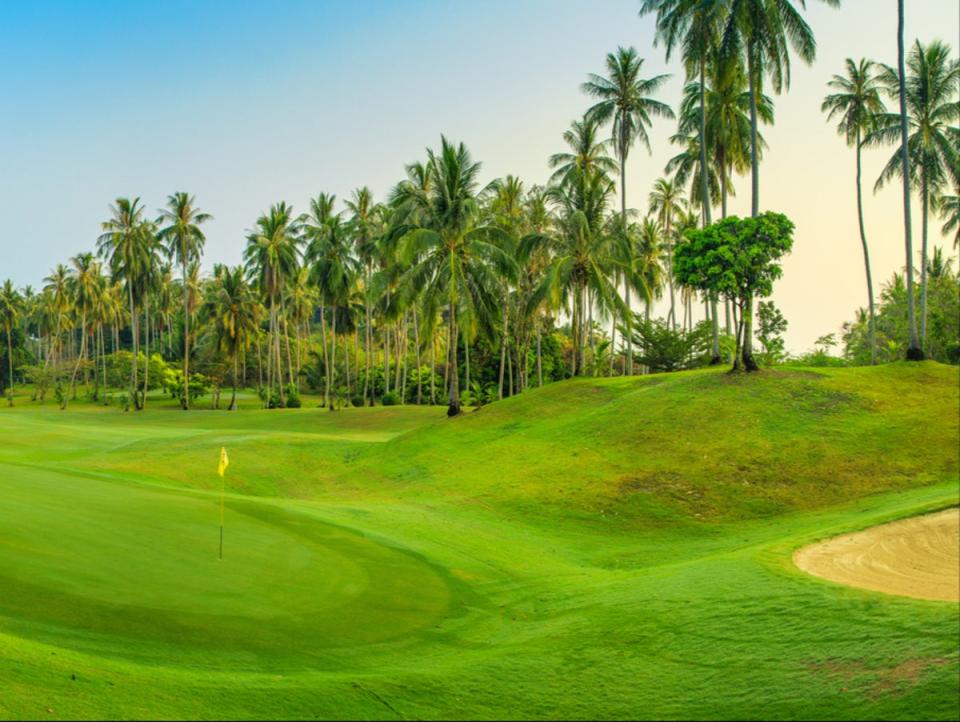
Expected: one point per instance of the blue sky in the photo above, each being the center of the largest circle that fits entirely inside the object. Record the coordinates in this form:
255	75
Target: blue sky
245	104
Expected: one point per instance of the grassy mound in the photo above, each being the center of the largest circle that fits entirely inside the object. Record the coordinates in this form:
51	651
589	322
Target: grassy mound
612	547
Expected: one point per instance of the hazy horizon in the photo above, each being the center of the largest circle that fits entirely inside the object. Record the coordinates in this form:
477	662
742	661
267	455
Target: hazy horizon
245	105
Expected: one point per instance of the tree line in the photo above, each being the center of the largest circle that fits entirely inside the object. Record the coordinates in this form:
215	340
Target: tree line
384	301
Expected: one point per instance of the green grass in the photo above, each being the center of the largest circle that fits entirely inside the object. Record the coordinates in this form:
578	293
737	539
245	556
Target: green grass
611	548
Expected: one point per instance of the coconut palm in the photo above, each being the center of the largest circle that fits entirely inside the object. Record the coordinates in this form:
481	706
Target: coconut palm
58	290
856	103
761	32
333	270
666	202
232	306
586	152
625	100
451	258
582	256
696	26
948	207
11	310
184	239
932	140
84	287
130	248
272	257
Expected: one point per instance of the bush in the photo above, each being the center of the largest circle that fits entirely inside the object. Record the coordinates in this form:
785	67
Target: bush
293	397
391	398
356	401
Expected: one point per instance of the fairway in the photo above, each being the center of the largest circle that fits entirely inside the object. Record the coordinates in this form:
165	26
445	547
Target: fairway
544	555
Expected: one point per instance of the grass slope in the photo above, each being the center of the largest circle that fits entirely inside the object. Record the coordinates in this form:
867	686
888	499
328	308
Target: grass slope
617	548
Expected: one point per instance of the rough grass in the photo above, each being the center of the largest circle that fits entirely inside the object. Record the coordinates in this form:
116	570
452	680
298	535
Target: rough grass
611	548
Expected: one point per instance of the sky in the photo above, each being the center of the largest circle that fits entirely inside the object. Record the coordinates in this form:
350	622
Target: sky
248	103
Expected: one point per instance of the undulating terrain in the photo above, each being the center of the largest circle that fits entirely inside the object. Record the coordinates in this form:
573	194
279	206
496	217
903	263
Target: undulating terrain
615	547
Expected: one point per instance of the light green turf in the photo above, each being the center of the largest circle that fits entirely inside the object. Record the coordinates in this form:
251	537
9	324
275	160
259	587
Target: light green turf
611	548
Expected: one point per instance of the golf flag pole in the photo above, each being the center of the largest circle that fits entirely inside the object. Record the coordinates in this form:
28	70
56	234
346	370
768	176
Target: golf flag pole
221	468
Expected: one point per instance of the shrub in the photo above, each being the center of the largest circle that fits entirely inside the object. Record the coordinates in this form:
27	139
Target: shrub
356	401
391	398
293	397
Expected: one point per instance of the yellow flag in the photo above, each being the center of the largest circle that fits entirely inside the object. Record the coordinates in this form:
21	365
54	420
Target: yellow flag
224	461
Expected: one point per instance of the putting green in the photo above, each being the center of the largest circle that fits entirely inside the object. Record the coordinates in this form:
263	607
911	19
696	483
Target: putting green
128	570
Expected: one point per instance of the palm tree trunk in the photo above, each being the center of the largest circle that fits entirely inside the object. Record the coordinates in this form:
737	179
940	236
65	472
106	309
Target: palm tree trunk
866	259
333	357
925	199
749	364
704	191
433	368
466	359
623	229
914	350
454	408
233	396
185	399
133	358
503	354
326	356
146	347
416	343
9	331
83	349
539	358
754	160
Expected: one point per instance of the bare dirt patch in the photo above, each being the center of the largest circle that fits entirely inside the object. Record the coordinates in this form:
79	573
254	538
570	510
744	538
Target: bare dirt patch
917	557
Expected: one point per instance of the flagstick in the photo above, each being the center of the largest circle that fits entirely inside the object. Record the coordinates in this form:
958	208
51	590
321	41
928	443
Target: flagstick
223	484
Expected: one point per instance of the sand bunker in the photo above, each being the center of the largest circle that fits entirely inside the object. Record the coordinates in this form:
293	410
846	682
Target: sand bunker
918	557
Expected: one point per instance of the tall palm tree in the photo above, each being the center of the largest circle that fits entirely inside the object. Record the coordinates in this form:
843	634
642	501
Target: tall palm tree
582	256
235	314
696	25
11	310
272	256
762	33
586	152
856	103
363	219
666	202
932	142
184	241
451	258
131	251
85	285
625	100
333	270
58	289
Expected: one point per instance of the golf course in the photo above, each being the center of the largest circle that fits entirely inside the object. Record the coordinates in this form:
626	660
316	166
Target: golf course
619	547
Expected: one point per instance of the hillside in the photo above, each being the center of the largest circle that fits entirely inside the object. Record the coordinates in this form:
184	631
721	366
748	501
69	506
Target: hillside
619	548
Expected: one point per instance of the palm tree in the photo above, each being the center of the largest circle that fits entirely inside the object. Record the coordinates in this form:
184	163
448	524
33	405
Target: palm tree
948	207
666	202
586	151
130	248
333	270
85	284
696	25
11	309
451	257
582	257
857	103
272	256
624	99
58	288
233	308
185	242
365	231
930	91
761	31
